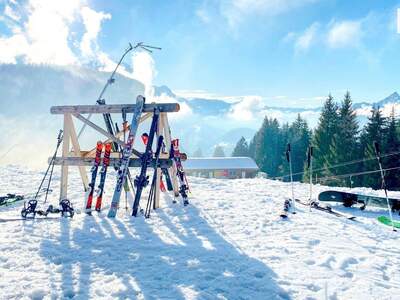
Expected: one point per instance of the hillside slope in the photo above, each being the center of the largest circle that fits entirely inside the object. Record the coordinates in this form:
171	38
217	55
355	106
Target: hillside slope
228	244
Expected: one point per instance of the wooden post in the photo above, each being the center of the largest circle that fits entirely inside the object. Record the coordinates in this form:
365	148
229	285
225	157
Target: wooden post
65	152
156	203
77	151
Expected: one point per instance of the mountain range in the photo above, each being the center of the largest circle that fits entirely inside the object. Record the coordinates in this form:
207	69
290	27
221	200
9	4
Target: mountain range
28	91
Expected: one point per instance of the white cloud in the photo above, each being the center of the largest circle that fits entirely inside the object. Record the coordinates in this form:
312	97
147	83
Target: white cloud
344	34
44	31
92	21
247	109
144	70
305	40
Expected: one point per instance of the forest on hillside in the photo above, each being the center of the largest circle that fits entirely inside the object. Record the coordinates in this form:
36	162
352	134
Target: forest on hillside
343	151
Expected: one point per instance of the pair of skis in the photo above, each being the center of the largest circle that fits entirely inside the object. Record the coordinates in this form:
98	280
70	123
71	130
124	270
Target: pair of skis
180	173
289	204
103	173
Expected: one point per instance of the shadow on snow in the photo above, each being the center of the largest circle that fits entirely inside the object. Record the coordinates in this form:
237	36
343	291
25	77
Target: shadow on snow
174	253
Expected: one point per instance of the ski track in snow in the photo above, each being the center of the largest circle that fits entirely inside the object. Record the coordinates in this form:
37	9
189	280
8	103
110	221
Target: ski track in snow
229	243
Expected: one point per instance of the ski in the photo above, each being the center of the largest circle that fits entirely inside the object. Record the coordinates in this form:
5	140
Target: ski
99	149
387	221
152	194
141	181
286	208
350	199
183	184
126	155
29	211
326	209
10	199
103	173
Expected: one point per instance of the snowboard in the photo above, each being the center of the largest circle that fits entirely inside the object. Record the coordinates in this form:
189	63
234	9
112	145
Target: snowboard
349	199
385	220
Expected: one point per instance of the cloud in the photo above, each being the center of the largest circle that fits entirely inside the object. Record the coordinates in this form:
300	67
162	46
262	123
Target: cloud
247	109
92	21
144	70
305	40
47	31
344	34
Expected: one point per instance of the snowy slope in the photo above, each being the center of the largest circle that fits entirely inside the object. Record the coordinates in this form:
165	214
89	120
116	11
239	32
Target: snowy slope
228	244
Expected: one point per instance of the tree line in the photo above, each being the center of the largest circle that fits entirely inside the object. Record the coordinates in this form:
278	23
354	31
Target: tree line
343	151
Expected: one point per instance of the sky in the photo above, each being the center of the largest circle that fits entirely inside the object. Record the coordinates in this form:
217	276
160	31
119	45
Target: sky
288	52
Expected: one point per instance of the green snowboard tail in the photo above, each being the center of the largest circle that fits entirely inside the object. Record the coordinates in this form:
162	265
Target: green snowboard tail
385	220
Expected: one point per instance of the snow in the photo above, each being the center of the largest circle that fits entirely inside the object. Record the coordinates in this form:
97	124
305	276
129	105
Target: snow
229	243
219	163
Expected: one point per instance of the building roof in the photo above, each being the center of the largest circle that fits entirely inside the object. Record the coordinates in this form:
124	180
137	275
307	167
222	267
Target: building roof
220	163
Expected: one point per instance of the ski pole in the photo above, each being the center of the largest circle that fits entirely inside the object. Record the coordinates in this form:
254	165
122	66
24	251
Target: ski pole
59	140
289	159
378	158
309	163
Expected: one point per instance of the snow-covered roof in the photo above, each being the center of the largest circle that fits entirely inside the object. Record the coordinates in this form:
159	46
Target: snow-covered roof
220	163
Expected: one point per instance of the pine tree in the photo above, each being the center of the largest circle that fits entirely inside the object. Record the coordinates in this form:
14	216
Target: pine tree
344	144
373	131
198	153
392	145
299	136
241	149
219	151
324	133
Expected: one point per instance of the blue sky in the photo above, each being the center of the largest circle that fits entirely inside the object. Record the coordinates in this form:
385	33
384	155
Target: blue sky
291	53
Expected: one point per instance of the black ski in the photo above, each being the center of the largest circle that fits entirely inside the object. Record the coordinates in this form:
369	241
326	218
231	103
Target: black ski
326	209
142	180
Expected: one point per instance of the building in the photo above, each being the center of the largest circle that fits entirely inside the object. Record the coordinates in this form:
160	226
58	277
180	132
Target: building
221	167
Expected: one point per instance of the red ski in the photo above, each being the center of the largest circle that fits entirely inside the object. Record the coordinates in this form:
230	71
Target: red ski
99	149
103	173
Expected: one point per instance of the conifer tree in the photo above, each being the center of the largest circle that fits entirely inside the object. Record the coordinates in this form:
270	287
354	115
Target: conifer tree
219	151
299	137
323	134
241	149
344	144
392	145
373	131
198	153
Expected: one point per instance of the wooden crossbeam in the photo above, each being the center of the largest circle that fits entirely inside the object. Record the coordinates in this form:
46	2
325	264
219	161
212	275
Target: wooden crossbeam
99	129
120	134
112	108
89	161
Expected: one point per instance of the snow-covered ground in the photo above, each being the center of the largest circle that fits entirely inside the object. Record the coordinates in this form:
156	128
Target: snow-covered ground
228	244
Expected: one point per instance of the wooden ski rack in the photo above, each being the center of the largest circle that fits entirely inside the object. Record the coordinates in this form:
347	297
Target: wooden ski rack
75	156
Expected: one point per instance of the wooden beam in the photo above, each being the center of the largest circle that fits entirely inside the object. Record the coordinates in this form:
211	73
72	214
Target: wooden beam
65	150
99	129
116	155
88	161
121	133
112	108
156	203
77	152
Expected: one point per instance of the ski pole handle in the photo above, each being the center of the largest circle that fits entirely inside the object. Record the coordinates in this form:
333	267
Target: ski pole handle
377	149
288	152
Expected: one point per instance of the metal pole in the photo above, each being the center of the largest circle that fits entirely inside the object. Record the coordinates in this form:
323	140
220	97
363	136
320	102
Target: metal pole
378	157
